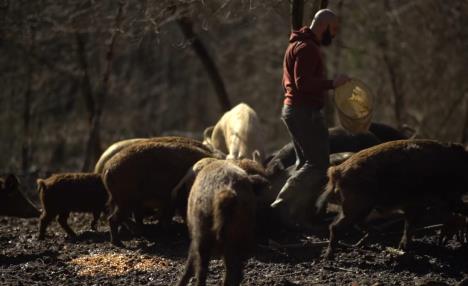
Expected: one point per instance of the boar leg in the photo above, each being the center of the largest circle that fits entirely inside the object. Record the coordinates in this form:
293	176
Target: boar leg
354	209
96	215
202	260
115	219
44	221
442	237
188	272
233	265
62	220
411	213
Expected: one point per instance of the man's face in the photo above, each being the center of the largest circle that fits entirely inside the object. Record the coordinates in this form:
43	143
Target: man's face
328	34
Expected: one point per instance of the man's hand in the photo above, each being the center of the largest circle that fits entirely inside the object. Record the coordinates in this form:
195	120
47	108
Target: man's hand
340	80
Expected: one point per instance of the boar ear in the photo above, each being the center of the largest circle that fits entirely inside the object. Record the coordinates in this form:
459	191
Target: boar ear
11	182
259	183
40	184
207	135
207	132
257	156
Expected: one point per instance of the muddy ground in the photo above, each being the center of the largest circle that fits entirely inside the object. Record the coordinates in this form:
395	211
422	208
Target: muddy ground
158	258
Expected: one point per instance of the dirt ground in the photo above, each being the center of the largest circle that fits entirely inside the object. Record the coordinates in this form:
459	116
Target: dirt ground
158	259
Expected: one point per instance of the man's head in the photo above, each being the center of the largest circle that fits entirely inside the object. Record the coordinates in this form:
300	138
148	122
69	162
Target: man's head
325	26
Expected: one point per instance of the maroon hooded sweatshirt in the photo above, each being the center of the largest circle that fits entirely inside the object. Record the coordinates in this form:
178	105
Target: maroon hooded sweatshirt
304	79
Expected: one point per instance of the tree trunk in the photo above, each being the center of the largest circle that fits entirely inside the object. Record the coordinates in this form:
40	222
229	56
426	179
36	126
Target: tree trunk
329	106
389	50
186	27
25	149
464	137
86	81
399	102
318	5
297	14
93	142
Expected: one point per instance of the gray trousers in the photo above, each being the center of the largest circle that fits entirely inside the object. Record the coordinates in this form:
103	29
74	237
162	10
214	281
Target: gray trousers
309	134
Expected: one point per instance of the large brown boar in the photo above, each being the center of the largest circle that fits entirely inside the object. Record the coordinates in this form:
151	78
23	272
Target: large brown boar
221	219
406	175
120	145
143	176
61	194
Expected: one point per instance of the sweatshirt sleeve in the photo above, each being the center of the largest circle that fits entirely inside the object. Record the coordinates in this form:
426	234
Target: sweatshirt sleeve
308	78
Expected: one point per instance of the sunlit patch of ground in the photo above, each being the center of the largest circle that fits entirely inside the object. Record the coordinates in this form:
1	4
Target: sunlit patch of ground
115	264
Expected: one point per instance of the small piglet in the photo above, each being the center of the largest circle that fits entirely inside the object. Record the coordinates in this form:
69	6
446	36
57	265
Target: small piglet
63	193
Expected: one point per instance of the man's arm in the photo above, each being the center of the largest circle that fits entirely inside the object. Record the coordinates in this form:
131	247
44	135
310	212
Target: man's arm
304	72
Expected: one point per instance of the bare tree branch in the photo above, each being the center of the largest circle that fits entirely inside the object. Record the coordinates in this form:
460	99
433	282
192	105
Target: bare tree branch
186	26
93	145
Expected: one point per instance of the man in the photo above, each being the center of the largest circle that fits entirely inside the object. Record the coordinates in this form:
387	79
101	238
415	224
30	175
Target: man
305	88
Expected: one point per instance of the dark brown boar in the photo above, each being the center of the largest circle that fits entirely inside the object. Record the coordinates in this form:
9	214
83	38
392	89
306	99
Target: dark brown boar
221	220
61	194
13	202
408	175
143	176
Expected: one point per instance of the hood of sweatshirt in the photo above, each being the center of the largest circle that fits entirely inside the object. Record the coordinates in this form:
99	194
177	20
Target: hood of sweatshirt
304	34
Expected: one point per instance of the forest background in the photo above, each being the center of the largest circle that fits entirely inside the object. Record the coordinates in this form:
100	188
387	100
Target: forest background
77	76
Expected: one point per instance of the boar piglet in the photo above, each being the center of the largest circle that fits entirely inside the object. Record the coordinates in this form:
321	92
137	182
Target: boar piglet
63	193
406	175
221	220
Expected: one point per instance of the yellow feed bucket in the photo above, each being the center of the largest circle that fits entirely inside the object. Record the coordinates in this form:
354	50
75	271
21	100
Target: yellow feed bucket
354	103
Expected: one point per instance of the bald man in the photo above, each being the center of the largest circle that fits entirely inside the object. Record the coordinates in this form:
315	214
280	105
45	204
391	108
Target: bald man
305	88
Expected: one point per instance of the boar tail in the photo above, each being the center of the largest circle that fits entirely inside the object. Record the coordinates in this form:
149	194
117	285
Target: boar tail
333	175
223	207
40	185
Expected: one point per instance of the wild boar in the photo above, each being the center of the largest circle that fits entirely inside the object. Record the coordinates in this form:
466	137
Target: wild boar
277	174
407	175
143	176
340	140
221	220
12	201
238	133
387	133
118	146
456	225
63	193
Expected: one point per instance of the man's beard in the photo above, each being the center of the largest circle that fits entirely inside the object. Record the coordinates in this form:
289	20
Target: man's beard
326	37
